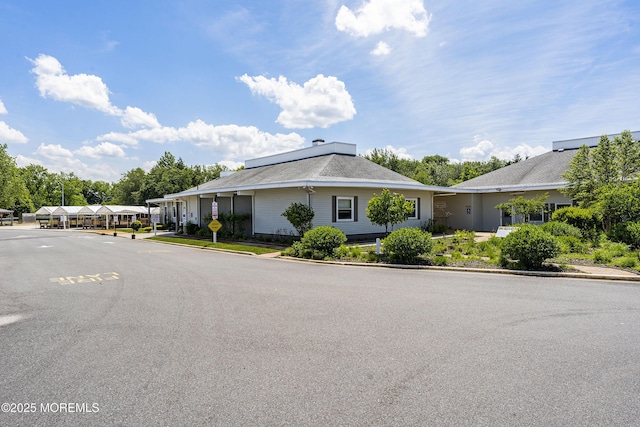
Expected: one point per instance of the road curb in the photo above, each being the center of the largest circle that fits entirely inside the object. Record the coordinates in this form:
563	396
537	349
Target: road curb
477	270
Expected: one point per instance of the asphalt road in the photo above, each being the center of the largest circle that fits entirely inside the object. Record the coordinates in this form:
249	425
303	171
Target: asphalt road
103	330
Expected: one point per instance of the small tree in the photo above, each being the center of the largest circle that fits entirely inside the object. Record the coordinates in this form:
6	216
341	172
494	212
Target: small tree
524	207
135	226
388	209
300	216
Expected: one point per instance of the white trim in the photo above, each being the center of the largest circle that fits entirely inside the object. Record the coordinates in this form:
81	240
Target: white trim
351	199
415	207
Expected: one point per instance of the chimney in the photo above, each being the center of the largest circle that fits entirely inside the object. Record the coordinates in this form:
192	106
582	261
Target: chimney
316	142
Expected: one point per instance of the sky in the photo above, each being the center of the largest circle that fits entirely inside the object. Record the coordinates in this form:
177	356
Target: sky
101	87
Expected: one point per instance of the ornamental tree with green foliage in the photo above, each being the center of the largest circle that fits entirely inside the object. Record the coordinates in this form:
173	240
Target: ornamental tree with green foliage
300	216
388	209
520	206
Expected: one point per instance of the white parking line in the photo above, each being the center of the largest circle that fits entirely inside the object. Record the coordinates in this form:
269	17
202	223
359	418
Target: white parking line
7	320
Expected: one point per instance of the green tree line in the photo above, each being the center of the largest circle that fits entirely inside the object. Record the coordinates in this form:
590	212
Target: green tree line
26	189
436	169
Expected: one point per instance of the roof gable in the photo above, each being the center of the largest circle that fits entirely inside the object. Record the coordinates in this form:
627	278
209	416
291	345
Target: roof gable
332	169
543	170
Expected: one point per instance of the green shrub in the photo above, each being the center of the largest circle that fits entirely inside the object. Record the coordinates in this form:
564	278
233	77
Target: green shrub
351	252
440	261
490	248
405	245
530	245
586	220
558	228
602	256
147	229
432	226
324	240
572	244
616	249
627	232
135	225
626	262
192	228
204	232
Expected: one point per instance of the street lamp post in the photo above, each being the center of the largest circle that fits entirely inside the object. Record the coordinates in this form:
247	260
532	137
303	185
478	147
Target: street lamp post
62	193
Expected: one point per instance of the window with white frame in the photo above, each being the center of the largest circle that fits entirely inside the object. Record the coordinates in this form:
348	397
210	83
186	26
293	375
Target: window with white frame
416	207
344	208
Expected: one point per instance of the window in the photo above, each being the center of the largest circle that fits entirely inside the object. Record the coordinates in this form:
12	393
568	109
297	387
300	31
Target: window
416	208
344	208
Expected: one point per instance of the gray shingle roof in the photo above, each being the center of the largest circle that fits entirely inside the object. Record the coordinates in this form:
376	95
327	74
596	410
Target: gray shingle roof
542	170
328	169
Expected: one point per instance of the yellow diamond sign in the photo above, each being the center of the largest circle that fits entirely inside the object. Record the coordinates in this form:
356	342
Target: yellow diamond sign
215	225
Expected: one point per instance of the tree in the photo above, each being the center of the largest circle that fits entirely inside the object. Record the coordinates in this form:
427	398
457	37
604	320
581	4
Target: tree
604	157
384	157
127	190
520	206
97	192
580	181
300	216
628	156
388	209
618	203
40	184
13	190
604	167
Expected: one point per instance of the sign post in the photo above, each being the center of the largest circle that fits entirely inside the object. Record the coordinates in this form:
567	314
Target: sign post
214	225
155	218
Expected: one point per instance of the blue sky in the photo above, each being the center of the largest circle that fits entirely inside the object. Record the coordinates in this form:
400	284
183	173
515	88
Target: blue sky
101	87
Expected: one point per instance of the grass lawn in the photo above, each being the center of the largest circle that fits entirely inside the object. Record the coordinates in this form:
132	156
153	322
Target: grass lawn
258	250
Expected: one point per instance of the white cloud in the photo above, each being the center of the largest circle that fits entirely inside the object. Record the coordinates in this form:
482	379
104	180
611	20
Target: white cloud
231	141
133	117
376	16
122	138
106	149
53	151
320	102
485	149
3	109
81	89
56	159
86	90
8	134
382	49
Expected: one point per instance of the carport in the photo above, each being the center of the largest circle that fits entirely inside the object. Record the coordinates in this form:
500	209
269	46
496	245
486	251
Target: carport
3	212
44	217
127	212
69	212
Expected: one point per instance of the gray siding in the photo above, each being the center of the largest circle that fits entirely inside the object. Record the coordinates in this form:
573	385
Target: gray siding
269	205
